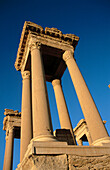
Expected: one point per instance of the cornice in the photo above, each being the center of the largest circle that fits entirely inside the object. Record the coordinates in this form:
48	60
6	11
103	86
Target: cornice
50	33
11	112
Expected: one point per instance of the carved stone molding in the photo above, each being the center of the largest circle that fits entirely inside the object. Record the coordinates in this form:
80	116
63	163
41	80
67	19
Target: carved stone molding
47	34
35	45
67	55
11	128
11	112
53	32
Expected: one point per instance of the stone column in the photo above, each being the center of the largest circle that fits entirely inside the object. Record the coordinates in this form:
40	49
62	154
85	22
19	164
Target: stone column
42	129
26	117
65	121
89	138
9	150
79	141
6	138
91	114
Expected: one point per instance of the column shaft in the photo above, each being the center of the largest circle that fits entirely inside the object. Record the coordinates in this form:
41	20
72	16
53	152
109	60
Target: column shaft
41	118
89	138
65	121
64	118
91	114
26	117
5	152
9	151
80	142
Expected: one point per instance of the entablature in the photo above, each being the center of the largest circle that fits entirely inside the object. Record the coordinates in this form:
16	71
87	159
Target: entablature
12	121
51	37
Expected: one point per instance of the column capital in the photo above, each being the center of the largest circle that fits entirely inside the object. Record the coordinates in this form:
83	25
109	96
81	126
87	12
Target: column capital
25	74
67	55
11	128
6	135
34	45
55	82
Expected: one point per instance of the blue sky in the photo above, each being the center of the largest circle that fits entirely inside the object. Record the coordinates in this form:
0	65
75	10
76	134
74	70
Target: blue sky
90	20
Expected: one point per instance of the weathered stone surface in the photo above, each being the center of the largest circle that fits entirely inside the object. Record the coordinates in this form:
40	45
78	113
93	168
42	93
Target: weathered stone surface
89	162
52	155
66	162
11	112
53	31
12	119
46	162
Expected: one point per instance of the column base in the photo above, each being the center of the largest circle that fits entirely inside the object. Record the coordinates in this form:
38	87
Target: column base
48	138
102	142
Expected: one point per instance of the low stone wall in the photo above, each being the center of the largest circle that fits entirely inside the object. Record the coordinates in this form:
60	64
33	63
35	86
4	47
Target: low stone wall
46	162
67	162
60	156
89	162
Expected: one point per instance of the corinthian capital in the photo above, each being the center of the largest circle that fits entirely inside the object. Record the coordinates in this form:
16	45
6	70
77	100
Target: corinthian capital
35	45
25	74
67	55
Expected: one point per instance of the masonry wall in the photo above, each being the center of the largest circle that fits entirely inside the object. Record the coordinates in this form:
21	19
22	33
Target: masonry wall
89	162
67	162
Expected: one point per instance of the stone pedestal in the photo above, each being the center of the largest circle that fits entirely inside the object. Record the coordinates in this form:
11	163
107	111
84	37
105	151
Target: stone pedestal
54	156
91	114
64	135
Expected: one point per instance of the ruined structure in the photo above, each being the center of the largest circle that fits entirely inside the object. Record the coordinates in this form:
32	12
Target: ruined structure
12	126
43	55
82	133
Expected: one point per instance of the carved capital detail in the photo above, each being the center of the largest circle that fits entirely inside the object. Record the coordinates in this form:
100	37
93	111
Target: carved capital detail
35	45
55	82
25	74
67	55
6	138
11	129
